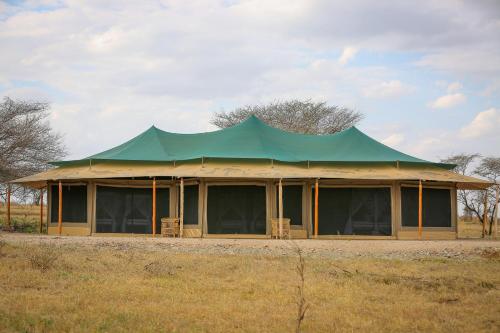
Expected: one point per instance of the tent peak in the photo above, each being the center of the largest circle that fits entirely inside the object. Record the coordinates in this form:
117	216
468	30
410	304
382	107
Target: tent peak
351	129
253	120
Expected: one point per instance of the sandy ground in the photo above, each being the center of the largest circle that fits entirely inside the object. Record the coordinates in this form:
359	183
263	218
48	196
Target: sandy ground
390	249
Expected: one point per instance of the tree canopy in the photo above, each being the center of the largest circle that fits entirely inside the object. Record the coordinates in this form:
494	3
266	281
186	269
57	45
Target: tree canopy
473	201
300	116
27	142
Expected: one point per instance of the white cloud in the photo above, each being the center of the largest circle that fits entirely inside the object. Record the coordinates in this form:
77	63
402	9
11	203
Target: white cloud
481	135
107	41
448	101
347	54
465	59
394	140
388	89
484	124
454	87
28	93
492	88
426	147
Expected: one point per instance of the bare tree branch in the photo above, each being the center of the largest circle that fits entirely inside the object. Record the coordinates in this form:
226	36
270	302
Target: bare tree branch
302	304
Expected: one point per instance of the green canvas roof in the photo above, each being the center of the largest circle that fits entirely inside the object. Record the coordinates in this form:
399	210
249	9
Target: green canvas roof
253	139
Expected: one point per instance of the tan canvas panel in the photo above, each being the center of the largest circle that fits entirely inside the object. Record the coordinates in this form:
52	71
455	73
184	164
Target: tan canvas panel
70	231
214	169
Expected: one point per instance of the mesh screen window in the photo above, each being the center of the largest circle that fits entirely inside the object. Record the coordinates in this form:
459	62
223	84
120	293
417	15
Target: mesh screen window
436	207
233	209
292	203
74	204
129	210
190	204
354	211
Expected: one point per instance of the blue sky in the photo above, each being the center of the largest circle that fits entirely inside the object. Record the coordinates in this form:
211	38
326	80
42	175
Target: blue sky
426	76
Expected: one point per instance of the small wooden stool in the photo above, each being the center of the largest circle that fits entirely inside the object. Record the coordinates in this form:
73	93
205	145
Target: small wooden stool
170	227
275	228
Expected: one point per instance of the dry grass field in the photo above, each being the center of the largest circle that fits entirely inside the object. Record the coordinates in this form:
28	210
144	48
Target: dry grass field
24	218
97	284
471	229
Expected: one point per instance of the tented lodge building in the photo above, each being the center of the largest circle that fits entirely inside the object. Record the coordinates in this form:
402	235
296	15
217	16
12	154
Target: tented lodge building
235	181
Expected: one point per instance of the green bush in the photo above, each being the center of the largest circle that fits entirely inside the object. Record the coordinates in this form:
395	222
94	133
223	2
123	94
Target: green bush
21	224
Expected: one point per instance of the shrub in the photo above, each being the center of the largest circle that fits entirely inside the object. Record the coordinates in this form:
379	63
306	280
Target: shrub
160	268
42	257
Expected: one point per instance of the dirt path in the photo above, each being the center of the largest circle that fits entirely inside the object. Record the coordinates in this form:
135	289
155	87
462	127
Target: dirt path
460	249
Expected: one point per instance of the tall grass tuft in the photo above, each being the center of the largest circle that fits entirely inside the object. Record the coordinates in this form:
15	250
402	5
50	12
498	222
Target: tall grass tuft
42	257
160	268
2	245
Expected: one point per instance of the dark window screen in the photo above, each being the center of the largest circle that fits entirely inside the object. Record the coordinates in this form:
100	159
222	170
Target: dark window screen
436	207
354	211
129	210
190	204
236	209
74	203
292	203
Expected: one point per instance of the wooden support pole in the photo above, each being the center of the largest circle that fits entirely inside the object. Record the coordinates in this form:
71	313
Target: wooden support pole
181	217
154	207
41	210
497	197
280	208
485	213
59	212
420	190
8	206
47	217
316	215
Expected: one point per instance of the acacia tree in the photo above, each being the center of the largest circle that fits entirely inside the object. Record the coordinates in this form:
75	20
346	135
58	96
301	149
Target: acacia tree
27	142
300	116
473	201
